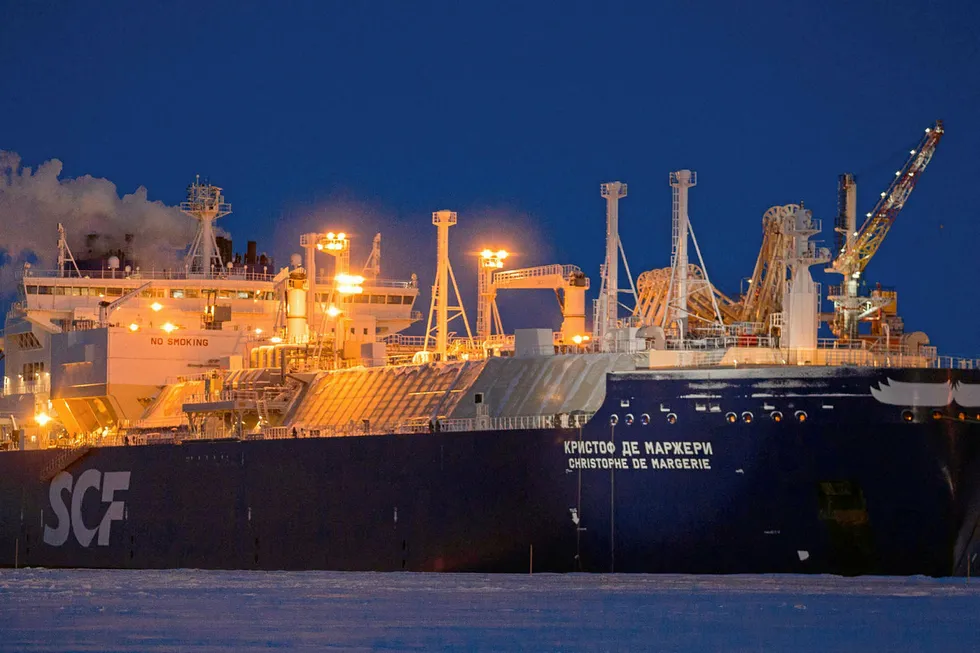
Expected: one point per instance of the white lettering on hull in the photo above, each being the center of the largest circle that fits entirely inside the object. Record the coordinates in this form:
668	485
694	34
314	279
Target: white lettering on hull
585	454
72	522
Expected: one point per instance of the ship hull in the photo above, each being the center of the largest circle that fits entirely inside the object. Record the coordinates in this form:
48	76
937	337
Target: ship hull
659	480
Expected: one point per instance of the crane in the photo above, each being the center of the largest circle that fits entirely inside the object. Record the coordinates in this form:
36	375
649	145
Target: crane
858	246
107	308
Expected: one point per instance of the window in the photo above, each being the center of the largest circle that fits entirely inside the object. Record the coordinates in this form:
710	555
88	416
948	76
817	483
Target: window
226	294
113	292
245	294
44	290
59	290
176	293
31	290
377	299
192	293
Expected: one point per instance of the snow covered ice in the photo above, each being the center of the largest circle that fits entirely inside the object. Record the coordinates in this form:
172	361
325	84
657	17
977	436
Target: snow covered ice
189	610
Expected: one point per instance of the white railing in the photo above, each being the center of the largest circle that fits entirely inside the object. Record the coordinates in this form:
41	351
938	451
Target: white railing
563	271
236	274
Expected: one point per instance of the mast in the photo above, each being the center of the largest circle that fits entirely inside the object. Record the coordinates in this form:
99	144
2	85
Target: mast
205	203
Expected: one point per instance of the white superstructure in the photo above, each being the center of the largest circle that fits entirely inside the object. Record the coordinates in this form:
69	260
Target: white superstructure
88	349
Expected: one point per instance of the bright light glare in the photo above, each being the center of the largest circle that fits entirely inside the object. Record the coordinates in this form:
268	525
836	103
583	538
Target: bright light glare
275	340
577	340
258	332
156	306
168	327
134	327
351	279
42	419
333	311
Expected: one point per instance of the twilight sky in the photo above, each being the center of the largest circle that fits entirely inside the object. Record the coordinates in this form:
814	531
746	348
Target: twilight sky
369	115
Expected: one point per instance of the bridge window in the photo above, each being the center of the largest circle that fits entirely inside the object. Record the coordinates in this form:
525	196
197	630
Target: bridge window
192	293
377	299
176	293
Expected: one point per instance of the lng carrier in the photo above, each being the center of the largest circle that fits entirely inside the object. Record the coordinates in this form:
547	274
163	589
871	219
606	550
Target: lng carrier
226	414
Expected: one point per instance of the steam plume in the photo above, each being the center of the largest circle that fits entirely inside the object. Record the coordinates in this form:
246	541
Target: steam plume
33	202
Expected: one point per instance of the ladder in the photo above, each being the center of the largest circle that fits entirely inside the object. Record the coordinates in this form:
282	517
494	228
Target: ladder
63	460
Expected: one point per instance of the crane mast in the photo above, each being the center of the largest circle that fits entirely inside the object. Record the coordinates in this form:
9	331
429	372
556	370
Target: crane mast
856	248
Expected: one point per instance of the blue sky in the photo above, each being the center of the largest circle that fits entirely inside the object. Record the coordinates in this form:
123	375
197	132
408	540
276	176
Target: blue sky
375	114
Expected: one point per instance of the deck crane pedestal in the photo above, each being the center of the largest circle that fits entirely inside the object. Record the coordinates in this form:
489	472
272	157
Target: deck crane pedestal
856	246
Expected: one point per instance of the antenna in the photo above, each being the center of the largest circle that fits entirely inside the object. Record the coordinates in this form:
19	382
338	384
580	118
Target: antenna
64	253
206	204
373	265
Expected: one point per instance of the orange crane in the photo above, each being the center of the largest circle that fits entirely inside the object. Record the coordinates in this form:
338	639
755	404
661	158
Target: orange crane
856	247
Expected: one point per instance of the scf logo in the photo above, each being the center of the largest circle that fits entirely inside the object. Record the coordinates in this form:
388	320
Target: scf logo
92	479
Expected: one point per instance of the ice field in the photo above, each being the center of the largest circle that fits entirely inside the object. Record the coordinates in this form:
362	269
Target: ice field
188	610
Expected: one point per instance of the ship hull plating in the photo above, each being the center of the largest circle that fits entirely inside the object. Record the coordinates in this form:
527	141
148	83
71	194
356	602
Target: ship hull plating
660	480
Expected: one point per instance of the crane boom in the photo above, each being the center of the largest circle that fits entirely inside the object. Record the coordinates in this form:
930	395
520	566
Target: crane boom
869	238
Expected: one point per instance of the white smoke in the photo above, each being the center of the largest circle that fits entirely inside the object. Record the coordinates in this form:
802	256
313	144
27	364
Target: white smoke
33	202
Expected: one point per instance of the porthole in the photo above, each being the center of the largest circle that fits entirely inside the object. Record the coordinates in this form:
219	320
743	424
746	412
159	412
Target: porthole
937	414
776	416
671	418
628	419
907	416
614	420
800	415
731	417
644	419
747	417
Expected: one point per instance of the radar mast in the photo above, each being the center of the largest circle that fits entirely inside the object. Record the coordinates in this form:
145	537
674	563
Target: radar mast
206	204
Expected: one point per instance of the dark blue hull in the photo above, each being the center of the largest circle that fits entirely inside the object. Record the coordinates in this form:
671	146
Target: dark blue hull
857	486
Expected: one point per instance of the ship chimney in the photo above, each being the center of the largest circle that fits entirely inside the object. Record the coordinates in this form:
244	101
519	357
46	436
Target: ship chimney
250	253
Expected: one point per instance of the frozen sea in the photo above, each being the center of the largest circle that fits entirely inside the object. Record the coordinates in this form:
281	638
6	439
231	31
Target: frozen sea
188	610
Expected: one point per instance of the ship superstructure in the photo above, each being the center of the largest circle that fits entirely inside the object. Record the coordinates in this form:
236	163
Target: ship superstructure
688	433
89	345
